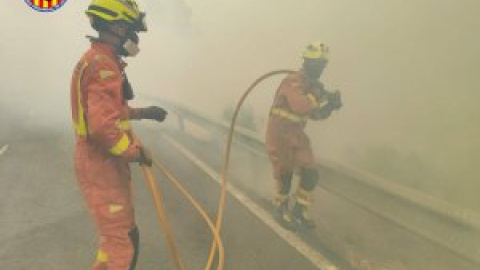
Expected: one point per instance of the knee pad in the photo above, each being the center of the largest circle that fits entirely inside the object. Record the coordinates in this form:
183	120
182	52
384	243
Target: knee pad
309	179
286	181
134	235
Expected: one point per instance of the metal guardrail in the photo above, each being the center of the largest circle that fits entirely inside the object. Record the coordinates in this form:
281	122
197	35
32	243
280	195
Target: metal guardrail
441	223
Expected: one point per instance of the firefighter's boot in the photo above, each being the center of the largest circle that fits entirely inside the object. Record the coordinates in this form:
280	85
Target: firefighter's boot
282	213
301	217
303	198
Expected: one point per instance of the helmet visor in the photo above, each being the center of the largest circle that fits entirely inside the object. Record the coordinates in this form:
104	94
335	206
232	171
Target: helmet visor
140	24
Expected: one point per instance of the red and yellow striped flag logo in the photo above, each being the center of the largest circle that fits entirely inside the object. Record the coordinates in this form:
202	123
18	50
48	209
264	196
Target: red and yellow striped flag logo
45	5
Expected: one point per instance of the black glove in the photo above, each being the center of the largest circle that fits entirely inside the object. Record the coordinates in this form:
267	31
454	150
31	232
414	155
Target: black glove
323	112
154	113
335	99
145	157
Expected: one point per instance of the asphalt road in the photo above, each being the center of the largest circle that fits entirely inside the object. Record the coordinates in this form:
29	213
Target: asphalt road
45	224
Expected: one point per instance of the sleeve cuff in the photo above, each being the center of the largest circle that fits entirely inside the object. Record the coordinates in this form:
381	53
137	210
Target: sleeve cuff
313	100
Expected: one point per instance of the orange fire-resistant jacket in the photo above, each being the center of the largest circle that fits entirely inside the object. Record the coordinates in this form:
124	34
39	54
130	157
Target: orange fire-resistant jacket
287	144
104	146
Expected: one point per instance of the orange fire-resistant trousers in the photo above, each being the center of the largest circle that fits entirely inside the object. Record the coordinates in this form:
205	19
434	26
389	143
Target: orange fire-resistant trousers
105	183
288	147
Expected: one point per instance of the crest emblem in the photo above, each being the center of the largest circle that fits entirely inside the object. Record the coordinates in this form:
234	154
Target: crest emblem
45	5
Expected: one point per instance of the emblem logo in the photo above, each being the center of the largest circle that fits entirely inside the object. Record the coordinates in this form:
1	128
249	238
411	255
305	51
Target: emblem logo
45	5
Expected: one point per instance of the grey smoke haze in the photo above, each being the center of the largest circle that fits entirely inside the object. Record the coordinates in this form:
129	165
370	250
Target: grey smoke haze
408	72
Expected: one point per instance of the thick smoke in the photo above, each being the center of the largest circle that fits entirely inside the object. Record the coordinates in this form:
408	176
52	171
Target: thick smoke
407	71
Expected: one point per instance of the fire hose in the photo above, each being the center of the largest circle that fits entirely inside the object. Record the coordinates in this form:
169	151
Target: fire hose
216	242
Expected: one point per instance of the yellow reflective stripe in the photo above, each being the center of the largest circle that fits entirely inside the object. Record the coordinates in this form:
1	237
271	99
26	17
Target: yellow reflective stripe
123	124
114	208
303	197
120	146
312	99
288	115
80	125
280	198
102	256
106	73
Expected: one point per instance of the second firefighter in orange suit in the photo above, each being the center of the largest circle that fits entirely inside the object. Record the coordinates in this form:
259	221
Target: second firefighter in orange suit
104	141
299	97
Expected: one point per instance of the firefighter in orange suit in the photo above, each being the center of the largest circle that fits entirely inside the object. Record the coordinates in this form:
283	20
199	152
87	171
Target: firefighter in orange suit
299	97
104	141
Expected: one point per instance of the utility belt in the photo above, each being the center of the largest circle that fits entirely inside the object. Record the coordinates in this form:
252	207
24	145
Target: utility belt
288	115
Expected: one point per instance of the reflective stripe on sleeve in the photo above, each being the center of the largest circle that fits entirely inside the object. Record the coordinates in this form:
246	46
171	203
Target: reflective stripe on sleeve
123	124
102	256
121	146
288	115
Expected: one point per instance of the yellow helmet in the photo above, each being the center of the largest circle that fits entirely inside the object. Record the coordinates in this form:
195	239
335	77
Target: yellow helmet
315	50
118	10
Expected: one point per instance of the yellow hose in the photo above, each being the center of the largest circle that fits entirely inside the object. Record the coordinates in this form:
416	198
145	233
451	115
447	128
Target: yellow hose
162	218
221	204
199	208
